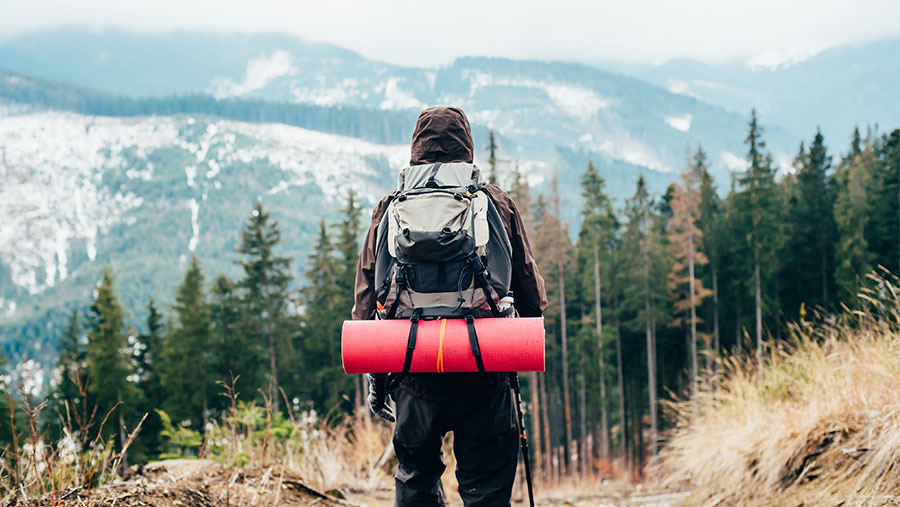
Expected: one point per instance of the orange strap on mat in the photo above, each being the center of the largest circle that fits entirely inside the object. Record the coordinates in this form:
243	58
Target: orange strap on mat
440	356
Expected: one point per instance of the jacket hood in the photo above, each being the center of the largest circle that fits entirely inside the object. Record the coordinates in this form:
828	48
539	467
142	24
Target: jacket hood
442	134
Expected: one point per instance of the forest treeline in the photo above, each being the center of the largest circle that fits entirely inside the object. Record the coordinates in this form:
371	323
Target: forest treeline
384	127
645	303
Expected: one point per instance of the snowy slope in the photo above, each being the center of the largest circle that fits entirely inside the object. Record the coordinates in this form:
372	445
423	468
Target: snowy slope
536	108
145	193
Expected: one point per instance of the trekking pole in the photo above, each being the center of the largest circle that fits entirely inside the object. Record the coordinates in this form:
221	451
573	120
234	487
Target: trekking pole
520	422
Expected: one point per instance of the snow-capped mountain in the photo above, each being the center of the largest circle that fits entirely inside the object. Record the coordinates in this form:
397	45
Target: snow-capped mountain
537	108
857	84
145	193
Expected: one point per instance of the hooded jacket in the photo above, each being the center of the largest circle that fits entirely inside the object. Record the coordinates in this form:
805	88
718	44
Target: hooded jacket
442	134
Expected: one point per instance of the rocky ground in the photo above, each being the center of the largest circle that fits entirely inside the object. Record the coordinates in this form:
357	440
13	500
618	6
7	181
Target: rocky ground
194	483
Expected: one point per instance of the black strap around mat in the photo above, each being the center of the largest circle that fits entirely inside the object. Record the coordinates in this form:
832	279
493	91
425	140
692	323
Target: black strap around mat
473	342
410	347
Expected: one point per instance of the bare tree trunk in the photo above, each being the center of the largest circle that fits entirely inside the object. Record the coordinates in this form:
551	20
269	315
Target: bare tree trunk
545	414
691	287
715	283
535	420
639	454
123	435
738	338
651	361
621	380
204	403
759	343
567	409
583	450
273	380
560	253
824	261
604	416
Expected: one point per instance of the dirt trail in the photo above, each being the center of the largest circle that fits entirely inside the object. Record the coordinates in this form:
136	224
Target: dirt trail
205	483
615	497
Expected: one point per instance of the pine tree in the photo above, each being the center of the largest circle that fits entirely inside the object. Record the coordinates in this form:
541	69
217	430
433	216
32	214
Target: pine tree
883	231
561	260
642	273
598	225
149	366
108	365
808	255
758	203
709	223
235	354
325	381
853	212
348	246
687	241
266	295
70	364
186	376
552	241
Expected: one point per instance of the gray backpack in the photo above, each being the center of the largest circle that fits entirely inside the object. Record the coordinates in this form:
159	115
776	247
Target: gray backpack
441	249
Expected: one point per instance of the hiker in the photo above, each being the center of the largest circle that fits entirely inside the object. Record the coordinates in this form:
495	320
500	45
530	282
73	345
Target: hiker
476	407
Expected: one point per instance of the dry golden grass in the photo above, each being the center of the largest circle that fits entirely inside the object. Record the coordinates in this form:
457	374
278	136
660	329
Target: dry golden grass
819	426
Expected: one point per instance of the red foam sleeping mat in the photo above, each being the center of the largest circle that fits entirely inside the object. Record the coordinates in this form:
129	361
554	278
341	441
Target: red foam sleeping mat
379	346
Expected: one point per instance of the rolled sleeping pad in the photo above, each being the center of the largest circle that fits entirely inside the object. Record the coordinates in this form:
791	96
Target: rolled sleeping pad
379	346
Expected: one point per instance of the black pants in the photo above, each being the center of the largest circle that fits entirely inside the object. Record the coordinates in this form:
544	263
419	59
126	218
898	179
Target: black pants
485	442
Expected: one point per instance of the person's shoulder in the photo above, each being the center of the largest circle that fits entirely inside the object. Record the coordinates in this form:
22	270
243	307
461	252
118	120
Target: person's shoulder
497	193
502	200
380	208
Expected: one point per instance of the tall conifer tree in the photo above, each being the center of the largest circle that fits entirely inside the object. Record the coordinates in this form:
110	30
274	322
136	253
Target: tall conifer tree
598	224
642	277
187	377
266	294
348	246
758	203
852	213
709	222
324	382
808	254
687	249
883	231
108	359
149	367
71	363
235	352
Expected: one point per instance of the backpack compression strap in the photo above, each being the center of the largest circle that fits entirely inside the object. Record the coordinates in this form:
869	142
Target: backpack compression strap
432	183
400	281
410	347
473	342
481	280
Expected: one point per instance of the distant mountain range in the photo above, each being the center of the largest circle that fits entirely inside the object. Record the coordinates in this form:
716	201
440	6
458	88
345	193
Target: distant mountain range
836	89
139	150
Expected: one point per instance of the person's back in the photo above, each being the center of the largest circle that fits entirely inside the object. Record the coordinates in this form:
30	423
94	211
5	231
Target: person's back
477	407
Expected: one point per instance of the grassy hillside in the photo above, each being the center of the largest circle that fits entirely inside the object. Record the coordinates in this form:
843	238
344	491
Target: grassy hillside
820	425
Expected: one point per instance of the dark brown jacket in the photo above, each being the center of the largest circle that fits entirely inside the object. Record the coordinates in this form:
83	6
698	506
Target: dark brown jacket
442	134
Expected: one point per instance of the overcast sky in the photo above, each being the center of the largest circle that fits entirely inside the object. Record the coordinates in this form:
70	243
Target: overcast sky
433	33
